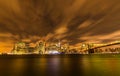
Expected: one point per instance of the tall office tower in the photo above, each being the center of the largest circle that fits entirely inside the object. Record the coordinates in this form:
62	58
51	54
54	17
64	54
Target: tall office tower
59	44
40	47
66	47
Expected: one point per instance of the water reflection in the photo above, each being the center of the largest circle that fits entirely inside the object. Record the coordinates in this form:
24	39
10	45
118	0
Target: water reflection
60	65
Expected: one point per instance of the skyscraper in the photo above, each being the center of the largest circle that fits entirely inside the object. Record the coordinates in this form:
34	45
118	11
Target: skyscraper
20	48
40	47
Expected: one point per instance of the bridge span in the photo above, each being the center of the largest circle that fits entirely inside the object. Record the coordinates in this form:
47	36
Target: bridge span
110	49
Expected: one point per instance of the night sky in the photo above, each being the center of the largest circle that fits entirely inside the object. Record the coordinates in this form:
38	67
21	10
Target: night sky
73	21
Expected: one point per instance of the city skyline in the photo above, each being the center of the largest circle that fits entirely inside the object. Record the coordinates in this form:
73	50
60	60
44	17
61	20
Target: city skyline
71	21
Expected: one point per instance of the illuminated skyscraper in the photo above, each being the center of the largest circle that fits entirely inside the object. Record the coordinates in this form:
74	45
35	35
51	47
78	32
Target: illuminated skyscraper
20	48
40	47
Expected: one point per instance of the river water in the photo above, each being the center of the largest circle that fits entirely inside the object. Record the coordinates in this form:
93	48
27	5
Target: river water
60	65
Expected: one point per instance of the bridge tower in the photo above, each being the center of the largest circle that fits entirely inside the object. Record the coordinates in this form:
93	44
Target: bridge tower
87	47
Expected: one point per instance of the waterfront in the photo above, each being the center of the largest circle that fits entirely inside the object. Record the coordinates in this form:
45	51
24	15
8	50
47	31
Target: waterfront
60	65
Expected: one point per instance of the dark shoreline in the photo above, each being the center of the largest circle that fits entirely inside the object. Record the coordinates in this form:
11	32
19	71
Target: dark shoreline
37	55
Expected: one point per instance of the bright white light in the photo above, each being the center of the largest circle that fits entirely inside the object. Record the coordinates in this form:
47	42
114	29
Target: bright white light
53	52
83	45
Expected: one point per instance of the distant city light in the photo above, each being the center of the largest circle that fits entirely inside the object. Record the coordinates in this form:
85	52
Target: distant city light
53	52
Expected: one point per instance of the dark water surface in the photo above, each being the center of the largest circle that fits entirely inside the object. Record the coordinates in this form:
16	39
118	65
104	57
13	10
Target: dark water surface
60	65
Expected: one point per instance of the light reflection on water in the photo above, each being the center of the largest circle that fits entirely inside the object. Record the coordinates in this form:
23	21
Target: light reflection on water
60	65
